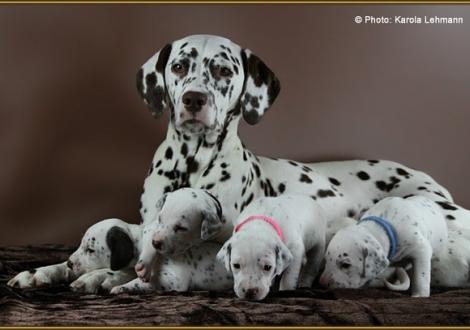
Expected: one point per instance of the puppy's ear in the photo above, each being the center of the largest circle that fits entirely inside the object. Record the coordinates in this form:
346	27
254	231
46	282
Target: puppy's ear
212	219
151	82
373	263
217	204
260	88
224	255
283	257
121	247
161	202
211	224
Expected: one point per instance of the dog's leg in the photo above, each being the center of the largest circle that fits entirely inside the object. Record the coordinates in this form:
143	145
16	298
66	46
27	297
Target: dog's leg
42	276
311	269
421	284
134	286
102	279
290	277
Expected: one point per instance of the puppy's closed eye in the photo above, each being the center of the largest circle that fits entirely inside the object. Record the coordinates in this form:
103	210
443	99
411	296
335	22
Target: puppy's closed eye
179	228
88	250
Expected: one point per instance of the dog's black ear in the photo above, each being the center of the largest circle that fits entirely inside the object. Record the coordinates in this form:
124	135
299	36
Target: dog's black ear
121	247
151	82
260	88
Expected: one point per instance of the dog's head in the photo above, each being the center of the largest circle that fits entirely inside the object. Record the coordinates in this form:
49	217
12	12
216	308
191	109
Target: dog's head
206	81
254	261
185	218
106	244
353	258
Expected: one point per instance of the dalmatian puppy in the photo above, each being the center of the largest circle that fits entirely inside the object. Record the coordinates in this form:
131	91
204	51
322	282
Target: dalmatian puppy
274	236
394	278
186	217
105	258
394	230
174	254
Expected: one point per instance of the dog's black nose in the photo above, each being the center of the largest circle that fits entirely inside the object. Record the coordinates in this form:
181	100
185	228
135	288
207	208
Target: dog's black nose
69	264
157	245
251	293
194	101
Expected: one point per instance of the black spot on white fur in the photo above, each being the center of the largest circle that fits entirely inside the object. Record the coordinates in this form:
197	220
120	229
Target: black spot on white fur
305	178
363	175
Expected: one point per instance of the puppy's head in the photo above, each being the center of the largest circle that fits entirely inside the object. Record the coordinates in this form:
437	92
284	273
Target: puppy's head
185	218
206	82
254	262
353	258
106	244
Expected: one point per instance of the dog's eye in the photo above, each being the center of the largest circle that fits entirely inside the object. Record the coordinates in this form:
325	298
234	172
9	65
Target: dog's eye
236	266
179	228
177	68
88	250
345	265
225	72
267	268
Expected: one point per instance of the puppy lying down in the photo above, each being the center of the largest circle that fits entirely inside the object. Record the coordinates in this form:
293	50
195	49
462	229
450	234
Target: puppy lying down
274	236
393	230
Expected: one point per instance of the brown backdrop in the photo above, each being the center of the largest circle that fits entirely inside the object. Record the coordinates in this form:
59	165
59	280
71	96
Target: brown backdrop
76	140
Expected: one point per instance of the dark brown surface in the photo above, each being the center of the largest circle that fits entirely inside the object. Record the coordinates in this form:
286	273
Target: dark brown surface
76	141
59	306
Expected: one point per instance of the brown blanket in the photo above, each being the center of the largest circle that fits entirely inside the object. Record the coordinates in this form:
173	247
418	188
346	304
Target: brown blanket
59	306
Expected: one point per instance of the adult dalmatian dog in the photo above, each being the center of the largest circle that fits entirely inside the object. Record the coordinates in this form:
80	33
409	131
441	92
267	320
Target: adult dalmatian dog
207	84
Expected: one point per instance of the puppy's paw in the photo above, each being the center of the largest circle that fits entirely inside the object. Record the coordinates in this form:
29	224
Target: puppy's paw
119	289
30	279
143	271
89	282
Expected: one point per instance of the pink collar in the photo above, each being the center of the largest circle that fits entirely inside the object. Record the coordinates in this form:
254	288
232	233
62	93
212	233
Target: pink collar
269	220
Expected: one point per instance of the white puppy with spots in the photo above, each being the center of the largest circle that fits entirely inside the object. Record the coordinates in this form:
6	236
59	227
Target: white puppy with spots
393	230
174	254
274	236
105	258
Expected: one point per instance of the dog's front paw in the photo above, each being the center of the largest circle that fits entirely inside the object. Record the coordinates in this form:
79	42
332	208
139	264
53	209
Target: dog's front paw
30	279
143	271
119	289
90	282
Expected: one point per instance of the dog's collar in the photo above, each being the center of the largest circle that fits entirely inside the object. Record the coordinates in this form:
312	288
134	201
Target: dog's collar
264	218
391	233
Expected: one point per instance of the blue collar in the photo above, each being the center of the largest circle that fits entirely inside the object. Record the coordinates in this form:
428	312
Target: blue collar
391	233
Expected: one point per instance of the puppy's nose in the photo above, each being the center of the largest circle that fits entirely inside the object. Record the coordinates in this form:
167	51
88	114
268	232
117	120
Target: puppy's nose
194	101
251	293
158	245
69	264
